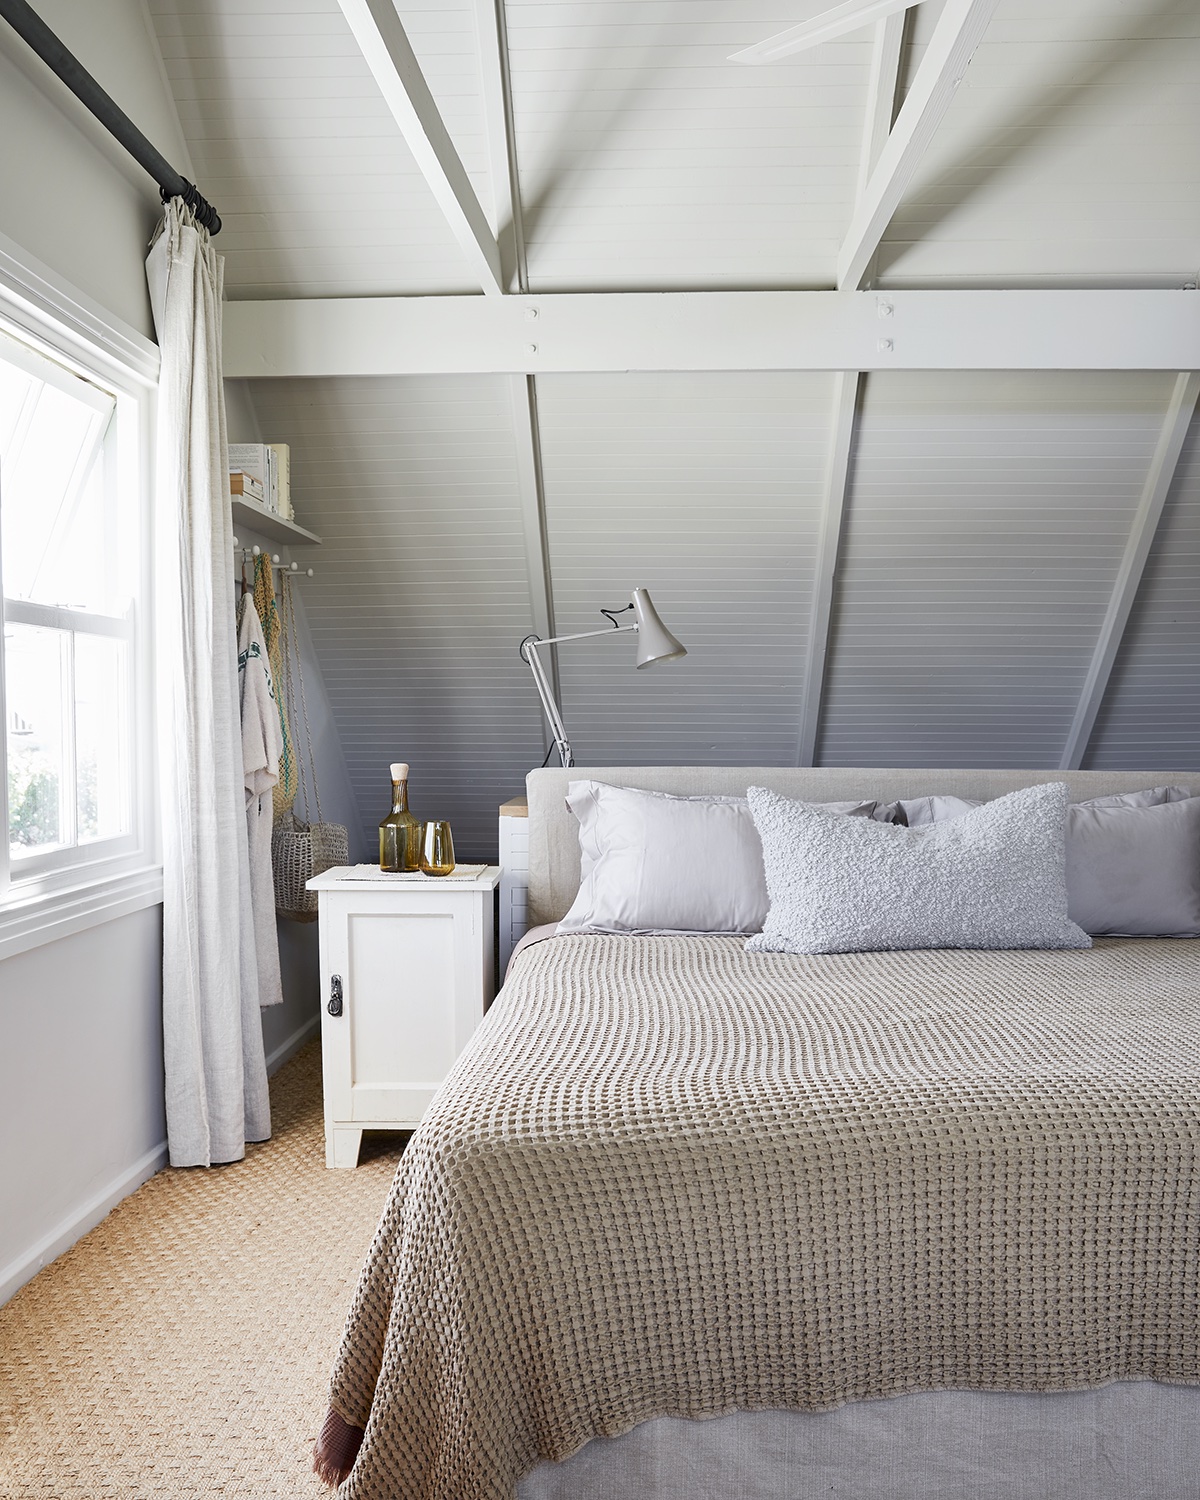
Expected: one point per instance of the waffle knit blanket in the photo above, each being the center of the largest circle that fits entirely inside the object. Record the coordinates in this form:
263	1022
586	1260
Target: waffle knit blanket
669	1177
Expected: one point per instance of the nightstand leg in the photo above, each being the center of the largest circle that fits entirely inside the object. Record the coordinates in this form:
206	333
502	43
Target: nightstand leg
341	1146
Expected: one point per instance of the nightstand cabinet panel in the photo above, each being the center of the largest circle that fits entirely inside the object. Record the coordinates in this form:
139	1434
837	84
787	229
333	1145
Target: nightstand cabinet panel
406	974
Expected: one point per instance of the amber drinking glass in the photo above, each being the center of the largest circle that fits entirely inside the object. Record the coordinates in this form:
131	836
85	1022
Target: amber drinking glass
437	849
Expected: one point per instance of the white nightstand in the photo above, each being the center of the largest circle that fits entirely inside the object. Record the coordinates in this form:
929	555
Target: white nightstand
407	966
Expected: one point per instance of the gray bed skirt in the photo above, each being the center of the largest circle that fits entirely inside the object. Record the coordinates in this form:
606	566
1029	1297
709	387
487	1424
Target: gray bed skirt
1132	1441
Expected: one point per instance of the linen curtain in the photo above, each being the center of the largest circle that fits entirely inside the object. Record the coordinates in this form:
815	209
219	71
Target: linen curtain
216	1082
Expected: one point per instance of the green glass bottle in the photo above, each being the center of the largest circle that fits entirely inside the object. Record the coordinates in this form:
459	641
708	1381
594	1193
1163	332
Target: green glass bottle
399	833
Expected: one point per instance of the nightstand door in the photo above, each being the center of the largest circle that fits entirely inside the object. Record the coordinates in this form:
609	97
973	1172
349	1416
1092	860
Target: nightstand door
412	993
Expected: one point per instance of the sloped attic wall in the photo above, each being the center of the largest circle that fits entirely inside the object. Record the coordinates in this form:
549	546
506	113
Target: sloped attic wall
986	517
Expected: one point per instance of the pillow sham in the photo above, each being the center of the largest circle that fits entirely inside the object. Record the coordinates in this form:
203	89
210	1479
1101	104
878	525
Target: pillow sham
993	878
1133	869
920	811
653	862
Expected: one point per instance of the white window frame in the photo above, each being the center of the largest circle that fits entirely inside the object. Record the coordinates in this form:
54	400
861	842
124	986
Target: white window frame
46	897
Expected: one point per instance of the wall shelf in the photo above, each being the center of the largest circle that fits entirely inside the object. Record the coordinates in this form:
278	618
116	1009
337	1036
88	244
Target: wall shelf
252	516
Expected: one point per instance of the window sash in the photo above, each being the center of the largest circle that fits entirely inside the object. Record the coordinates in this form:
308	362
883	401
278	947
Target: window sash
50	895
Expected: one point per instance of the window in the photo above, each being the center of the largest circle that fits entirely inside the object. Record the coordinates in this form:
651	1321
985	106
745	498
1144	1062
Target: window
76	748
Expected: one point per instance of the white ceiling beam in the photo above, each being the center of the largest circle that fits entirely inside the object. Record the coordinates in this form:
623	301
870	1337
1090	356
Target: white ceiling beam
851	16
1133	563
594	331
531	488
491	33
883	87
833	504
958	32
382	40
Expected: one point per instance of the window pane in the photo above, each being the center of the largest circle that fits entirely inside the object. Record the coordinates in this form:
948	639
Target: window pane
36	673
56	493
101	701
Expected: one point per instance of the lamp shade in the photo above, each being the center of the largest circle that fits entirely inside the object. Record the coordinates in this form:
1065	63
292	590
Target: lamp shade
655	641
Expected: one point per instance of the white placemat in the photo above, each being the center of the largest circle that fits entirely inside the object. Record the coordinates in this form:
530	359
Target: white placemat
373	872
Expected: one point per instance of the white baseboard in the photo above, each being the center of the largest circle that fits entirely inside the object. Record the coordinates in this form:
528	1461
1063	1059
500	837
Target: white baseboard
292	1044
63	1236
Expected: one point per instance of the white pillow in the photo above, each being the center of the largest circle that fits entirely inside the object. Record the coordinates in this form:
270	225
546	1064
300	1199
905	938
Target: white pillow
651	862
993	878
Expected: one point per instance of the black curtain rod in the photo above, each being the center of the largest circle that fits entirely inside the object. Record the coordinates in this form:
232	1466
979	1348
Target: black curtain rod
29	25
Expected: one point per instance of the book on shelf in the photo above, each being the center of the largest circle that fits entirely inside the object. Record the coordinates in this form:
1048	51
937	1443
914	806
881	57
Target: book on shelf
245	485
283	479
270	465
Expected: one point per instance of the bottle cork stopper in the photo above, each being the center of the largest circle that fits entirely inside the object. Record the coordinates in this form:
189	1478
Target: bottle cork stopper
399	770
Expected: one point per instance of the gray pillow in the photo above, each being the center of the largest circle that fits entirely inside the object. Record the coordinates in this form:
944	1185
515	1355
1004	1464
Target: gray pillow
1135	871
993	878
919	811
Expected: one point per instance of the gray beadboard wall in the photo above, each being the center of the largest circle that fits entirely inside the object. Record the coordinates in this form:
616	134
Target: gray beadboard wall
1151	715
985	520
988	513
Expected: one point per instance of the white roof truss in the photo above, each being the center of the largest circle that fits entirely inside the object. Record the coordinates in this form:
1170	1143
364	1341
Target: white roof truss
1137	549
837	471
850	16
492	40
382	40
958	32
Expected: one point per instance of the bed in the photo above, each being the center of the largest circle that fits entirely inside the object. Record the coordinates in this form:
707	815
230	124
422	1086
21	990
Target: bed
894	1223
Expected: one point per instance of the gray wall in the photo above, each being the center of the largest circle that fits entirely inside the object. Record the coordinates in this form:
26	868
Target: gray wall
985	520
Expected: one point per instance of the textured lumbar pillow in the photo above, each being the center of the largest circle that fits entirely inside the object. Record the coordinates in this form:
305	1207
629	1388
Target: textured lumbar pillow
1133	859
993	878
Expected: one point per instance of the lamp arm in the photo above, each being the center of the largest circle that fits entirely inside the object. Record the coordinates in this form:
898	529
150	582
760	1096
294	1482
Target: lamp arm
558	729
555	640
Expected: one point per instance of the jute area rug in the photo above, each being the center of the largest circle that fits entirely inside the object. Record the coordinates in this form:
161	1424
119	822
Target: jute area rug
183	1346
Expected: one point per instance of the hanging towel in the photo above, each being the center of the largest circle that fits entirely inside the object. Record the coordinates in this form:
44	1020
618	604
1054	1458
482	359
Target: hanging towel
283	794
262	741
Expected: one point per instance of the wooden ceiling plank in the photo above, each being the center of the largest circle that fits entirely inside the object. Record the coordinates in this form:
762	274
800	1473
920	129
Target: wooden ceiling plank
958	32
833	503
1155	490
385	46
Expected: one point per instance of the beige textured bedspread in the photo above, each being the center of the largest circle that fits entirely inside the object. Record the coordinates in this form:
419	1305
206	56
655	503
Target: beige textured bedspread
671	1177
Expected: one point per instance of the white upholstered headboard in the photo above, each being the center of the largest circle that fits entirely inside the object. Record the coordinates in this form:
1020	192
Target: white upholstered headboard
554	833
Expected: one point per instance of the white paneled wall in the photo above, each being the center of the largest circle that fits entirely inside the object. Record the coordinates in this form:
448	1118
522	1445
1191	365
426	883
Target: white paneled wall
1151	715
986	521
1067	154
292	140
420	598
647	159
705	489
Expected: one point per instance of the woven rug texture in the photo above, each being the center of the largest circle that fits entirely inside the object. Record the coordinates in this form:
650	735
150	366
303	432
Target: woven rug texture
183	1347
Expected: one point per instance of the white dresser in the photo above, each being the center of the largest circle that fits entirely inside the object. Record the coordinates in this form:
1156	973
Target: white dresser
407	970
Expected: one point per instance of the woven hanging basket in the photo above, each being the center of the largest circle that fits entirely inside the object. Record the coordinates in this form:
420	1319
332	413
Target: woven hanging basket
298	852
301	850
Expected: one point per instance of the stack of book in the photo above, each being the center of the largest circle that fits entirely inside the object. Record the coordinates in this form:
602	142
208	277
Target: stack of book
262	472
